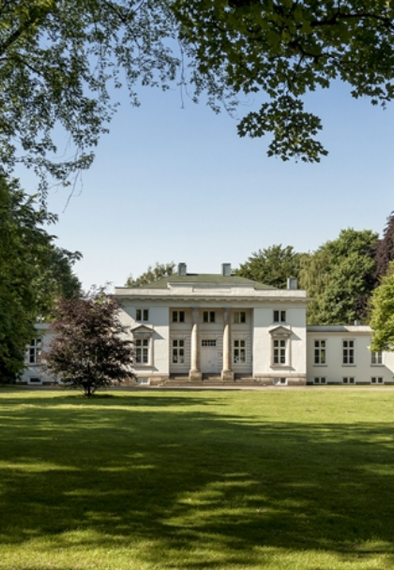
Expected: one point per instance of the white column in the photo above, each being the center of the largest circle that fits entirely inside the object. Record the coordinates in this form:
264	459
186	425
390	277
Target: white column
195	372
227	373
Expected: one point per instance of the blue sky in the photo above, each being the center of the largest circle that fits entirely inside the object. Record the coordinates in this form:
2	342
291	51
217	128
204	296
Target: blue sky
173	184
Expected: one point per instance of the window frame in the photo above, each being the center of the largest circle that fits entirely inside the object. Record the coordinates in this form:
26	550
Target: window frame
348	352
319	351
242	357
142	315
377	380
347	380
34	351
178	316
239	317
176	348
209	317
377	358
279	316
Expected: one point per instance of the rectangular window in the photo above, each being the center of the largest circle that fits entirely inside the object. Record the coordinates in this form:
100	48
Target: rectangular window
239	354
208	316
35	351
239	317
178	351
279	351
280	381
376	358
319	355
279	316
178	316
142	315
348	380
348	351
377	380
142	350
208	342
320	380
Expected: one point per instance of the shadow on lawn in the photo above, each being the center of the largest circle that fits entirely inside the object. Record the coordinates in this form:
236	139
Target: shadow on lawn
130	470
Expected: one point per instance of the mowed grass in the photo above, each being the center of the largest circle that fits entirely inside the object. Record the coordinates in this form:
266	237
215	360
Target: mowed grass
226	480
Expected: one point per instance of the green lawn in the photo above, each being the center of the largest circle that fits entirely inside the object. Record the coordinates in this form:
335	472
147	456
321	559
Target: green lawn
236	480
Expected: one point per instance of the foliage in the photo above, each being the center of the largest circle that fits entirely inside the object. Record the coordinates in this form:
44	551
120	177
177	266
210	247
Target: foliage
340	278
32	271
152	274
382	313
384	250
218	480
59	62
271	266
62	60
89	349
284	50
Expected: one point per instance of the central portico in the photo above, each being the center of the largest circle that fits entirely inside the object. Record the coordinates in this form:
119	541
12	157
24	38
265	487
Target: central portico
201	325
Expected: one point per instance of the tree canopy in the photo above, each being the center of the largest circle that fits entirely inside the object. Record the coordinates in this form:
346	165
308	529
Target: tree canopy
340	278
382	313
32	272
154	273
284	50
89	349
272	265
62	60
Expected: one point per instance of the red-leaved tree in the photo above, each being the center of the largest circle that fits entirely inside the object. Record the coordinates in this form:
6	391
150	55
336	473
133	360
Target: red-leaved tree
90	349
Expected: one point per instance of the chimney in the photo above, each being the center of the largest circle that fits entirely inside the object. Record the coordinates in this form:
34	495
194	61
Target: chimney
181	268
292	283
226	269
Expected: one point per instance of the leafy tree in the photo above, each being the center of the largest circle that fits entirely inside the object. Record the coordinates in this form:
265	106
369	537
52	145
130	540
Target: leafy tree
61	59
285	49
89	349
382	313
384	250
340	278
272	266
32	271
59	62
155	273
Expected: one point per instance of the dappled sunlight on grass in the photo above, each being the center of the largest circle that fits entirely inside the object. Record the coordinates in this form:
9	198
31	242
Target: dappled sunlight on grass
221	481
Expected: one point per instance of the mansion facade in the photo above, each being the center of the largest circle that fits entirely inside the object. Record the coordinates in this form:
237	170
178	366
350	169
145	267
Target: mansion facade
228	329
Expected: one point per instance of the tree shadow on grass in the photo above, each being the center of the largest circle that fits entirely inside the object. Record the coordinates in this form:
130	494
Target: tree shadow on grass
191	480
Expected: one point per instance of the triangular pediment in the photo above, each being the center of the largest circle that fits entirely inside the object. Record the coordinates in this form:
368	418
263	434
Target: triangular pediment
280	331
142	330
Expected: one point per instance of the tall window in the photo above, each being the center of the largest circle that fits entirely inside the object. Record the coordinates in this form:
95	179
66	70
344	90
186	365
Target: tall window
279	316
239	317
239	354
142	315
348	351
178	316
320	352
34	351
279	351
142	351
376	358
178	351
208	316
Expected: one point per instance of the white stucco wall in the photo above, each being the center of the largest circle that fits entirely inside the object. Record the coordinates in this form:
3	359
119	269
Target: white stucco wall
334	370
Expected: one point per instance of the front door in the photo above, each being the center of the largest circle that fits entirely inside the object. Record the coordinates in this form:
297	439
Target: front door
209	356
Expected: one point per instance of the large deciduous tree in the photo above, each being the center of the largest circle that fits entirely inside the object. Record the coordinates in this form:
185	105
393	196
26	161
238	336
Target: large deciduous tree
90	349
272	265
284	49
340	278
158	271
60	61
32	272
384	249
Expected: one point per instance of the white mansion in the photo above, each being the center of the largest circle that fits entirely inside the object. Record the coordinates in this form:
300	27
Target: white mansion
228	329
